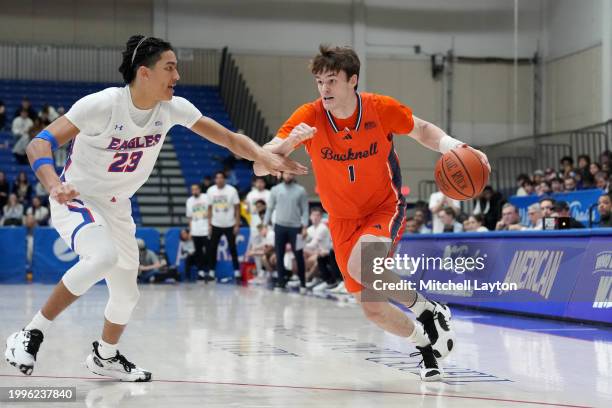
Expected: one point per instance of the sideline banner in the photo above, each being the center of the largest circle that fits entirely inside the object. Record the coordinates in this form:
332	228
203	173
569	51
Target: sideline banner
579	202
551	273
13	255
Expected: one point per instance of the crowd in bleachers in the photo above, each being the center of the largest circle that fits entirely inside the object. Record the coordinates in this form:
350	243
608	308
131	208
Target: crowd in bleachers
493	212
23	199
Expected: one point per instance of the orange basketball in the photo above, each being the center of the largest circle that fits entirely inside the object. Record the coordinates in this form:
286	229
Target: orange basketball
460	174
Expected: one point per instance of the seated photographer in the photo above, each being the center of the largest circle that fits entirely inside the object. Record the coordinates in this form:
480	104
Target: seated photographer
561	210
151	269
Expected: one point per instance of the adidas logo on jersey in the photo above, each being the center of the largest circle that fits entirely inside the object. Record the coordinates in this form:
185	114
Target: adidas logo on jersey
347	137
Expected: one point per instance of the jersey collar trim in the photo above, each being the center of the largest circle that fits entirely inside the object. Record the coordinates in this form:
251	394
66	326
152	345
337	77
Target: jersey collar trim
332	122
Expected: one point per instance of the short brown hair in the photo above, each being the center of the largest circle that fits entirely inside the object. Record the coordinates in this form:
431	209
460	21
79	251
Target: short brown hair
336	59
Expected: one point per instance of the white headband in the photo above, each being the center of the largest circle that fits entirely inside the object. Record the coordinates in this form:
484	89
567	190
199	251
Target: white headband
136	49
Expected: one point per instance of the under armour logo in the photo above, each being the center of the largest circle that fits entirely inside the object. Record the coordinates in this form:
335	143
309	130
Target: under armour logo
118	127
347	137
377	226
158	123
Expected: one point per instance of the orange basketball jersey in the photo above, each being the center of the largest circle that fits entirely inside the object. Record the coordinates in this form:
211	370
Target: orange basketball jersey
356	168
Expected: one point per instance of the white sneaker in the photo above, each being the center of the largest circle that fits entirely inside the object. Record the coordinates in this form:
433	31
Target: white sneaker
322	287
314	282
437	326
116	367
293	284
339	290
303	290
21	349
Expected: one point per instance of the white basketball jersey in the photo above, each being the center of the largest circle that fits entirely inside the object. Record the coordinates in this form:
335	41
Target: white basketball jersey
116	159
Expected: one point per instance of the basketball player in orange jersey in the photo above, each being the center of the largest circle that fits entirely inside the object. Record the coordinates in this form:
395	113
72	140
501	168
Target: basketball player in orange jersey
349	137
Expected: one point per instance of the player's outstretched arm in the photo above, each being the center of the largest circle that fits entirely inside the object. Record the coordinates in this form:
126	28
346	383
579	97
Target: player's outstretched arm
243	146
434	138
40	154
286	146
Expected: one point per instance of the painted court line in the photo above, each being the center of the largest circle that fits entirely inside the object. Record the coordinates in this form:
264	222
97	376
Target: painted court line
297	387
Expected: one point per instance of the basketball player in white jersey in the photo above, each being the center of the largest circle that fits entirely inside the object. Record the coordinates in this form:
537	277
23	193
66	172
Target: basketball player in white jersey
116	137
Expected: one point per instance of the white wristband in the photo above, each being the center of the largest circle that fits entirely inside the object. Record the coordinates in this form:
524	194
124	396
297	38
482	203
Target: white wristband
448	143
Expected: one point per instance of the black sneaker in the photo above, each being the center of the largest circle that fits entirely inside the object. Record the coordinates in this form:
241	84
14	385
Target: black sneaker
116	367
436	322
430	371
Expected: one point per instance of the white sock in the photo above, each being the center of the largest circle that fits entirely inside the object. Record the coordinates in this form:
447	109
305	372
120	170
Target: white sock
418	335
39	322
106	350
420	305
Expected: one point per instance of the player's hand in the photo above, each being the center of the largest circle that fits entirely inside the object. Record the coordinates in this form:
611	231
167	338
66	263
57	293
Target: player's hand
62	193
483	157
236	229
301	133
275	164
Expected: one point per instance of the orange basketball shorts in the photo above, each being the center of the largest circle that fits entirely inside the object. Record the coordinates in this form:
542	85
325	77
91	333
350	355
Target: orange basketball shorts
388	223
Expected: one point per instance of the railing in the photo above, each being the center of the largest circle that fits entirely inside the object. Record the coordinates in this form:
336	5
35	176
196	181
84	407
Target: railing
95	64
527	154
239	102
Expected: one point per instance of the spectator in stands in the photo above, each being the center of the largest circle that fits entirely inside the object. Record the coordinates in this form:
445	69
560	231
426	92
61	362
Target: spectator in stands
510	220
185	251
449	222
230	175
420	217
474	223
535	217
13	211
437	202
549	174
412	226
224	219
22	188
594	168
259	192
61	111
547	205
151	269
604	206
2	116
602	181
556	185
27	106
290	201
47	114
528	187
206	183
567	167
4	190
538	177
520	179
19	150
21	125
261	248
489	205
562	209
569	184
41	193
543	188
584	161
318	242
197	209
604	158
37	214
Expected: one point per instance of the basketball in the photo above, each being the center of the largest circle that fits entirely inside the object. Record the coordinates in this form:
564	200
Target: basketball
460	174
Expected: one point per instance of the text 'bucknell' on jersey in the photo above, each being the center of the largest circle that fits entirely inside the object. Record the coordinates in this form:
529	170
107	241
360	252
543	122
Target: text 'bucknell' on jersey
328	154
